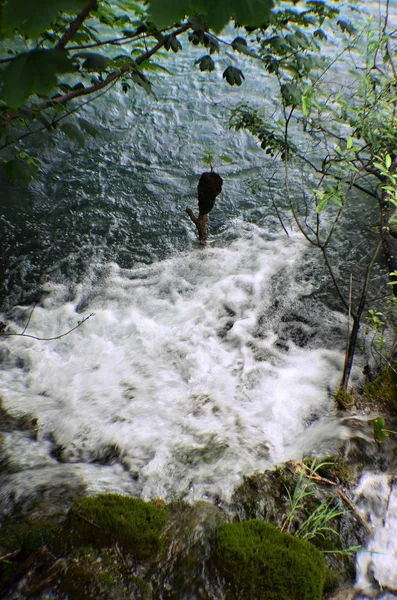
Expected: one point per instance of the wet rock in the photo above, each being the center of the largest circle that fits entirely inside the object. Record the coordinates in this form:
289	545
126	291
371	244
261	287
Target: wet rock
9	422
381	393
95	575
185	570
346	593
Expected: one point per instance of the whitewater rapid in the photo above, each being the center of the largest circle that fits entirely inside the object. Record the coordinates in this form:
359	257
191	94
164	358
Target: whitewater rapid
192	372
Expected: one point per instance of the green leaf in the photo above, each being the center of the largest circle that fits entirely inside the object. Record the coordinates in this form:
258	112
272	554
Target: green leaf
152	66
167	13
378	430
74	133
388	161
141	80
33	72
93	61
319	33
346	27
291	94
238	42
233	76
205	63
215	13
172	42
226	158
20	171
240	45
322	205
35	16
252	12
211	42
349	143
306	106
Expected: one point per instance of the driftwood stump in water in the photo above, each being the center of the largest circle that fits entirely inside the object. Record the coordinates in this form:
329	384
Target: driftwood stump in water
209	187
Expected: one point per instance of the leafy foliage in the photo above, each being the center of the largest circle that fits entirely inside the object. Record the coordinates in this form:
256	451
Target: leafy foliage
206	63
34	72
215	13
34	17
55	53
378	429
233	75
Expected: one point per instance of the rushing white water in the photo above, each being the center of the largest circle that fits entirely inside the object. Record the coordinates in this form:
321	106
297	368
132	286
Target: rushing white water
376	496
188	374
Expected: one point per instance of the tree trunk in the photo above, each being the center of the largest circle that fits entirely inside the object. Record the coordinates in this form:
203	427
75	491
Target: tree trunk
209	187
201	224
387	239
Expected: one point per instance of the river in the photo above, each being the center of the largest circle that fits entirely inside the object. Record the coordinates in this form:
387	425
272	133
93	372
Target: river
198	365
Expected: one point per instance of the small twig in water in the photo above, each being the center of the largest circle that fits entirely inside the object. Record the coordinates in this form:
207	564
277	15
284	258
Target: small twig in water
42	339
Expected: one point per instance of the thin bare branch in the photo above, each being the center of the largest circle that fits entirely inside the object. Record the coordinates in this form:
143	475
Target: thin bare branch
49	339
29	319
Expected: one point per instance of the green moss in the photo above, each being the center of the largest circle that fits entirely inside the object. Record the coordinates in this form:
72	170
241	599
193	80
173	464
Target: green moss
343	400
108	518
24	539
31	535
260	563
383	389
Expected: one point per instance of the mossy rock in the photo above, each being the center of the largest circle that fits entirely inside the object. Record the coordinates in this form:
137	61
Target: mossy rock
383	390
29	535
185	566
344	400
32	547
263	495
103	520
98	575
259	562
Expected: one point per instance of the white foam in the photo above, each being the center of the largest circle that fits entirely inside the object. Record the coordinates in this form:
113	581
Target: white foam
376	566
179	369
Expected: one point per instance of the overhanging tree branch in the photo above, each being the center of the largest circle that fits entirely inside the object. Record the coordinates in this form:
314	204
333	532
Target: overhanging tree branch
54	122
76	24
110	78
